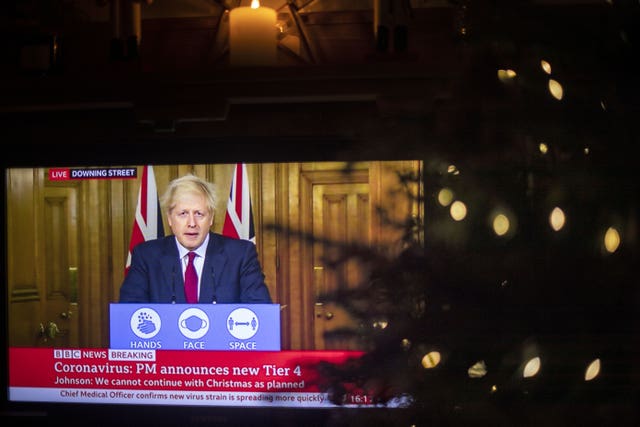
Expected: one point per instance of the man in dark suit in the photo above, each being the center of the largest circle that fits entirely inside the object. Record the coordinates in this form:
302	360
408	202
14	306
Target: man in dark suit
227	270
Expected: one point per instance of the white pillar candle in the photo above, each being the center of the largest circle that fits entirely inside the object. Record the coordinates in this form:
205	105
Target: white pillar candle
252	35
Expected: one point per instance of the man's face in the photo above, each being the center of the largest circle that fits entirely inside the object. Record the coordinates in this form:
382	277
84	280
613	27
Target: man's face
190	220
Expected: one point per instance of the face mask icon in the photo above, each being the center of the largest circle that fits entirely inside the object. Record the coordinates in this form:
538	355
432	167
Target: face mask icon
193	323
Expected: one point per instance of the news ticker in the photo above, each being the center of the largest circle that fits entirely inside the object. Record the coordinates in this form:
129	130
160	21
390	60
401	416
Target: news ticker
176	377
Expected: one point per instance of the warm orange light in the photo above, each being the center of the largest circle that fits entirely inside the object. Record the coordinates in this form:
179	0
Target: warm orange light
543	148
545	66
532	367
477	370
506	75
556	218
252	35
555	89
501	224
445	197
431	360
592	370
458	210
611	240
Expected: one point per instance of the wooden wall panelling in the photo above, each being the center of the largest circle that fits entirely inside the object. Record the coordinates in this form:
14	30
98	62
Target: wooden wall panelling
23	292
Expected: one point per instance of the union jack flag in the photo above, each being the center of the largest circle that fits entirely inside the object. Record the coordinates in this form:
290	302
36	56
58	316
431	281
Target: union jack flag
238	221
148	221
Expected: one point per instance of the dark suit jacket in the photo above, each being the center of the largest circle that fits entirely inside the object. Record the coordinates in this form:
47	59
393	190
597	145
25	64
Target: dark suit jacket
231	273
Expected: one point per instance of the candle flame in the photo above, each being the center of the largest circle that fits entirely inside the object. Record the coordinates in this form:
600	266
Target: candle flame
255	4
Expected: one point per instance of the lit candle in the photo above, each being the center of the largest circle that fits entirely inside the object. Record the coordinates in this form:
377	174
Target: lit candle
252	35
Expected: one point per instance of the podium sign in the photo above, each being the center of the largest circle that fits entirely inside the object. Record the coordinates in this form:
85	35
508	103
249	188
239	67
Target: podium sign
240	327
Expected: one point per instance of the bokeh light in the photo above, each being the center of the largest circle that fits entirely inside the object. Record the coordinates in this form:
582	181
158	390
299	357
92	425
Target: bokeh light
477	370
445	196
380	324
431	360
557	219
556	90
506	76
546	67
458	210
543	148
501	224
593	370
531	368
611	240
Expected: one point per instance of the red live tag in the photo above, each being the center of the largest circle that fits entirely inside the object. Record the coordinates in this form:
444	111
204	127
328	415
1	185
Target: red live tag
59	174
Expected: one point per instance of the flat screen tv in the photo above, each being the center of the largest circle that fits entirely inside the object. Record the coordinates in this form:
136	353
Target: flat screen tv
73	352
535	323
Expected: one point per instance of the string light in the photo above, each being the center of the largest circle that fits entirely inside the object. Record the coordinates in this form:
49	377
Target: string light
445	196
506	76
543	148
593	370
556	89
556	219
500	224
431	360
458	210
531	368
477	370
611	240
546	67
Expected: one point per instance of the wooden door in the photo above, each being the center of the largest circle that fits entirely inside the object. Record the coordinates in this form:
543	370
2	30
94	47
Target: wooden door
59	326
341	223
335	205
42	247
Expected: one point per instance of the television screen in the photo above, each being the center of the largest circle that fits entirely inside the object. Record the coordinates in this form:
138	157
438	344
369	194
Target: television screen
318	228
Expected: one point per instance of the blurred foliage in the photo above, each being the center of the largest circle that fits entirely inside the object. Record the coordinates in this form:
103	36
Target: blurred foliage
489	301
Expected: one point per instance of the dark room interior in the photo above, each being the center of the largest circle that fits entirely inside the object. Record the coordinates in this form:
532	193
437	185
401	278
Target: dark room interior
517	104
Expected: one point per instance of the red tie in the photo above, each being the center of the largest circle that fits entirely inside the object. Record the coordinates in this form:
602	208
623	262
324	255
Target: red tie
191	281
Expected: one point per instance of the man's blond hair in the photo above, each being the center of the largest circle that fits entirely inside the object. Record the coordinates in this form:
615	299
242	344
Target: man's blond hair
189	183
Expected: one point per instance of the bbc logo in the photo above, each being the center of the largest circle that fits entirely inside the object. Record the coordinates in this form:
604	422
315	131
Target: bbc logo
67	354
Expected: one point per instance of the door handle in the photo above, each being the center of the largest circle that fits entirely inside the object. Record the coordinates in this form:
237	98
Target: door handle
321	313
48	331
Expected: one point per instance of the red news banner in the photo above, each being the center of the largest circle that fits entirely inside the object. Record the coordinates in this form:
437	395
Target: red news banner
175	377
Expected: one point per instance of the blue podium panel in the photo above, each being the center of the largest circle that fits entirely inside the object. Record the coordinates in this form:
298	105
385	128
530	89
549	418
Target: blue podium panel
239	327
